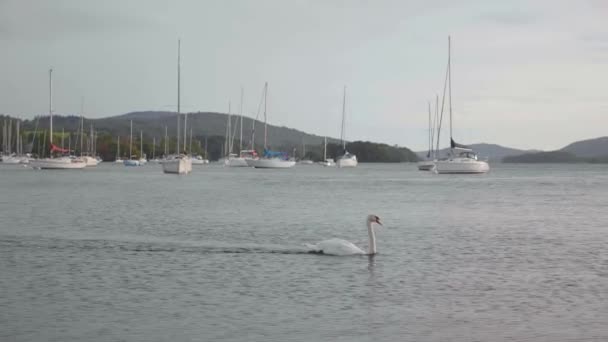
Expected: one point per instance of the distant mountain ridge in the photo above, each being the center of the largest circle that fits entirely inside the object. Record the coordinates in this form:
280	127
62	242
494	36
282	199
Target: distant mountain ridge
589	150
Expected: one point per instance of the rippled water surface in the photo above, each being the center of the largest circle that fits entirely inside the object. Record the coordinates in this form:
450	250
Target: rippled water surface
131	254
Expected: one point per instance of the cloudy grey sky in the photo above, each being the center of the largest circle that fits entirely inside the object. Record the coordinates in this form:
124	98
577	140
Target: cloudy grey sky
526	74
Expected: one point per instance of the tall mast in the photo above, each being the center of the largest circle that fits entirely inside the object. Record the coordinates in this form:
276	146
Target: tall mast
428	155
178	90
450	84
241	124
325	149
190	144
445	84
51	104
131	142
166	137
153	148
62	138
17	142
343	115
117	147
91	141
10	136
141	144
265	118
229	130
435	121
81	132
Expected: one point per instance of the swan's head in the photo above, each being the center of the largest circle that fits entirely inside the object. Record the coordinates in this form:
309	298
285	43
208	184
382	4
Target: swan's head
373	219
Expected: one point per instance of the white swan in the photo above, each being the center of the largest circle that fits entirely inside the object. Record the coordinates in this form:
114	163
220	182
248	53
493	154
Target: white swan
343	247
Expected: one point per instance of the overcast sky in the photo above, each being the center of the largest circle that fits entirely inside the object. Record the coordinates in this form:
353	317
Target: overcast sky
525	74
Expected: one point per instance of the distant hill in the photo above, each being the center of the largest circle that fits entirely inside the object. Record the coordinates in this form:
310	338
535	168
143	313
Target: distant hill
590	151
491	151
205	126
544	157
591	148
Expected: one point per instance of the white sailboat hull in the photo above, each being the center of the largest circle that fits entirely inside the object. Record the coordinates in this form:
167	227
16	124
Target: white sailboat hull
426	165
347	161
63	163
15	160
90	161
274	163
461	166
180	165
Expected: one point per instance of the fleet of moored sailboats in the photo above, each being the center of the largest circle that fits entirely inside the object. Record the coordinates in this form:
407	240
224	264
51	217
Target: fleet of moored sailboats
460	158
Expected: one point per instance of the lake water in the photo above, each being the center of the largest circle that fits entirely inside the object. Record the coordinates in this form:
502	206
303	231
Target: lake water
131	254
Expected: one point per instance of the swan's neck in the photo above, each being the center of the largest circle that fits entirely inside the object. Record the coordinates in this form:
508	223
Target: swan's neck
372	239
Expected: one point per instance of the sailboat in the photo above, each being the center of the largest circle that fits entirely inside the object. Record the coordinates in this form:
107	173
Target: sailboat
461	158
239	160
58	163
271	159
326	161
90	158
18	157
131	161
429	163
118	159
347	159
304	160
178	163
142	155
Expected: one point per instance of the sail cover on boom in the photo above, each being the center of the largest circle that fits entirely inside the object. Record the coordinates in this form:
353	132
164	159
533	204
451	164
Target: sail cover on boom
55	148
275	154
454	144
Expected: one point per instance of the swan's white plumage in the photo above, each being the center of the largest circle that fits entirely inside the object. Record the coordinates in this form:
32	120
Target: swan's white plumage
336	247
343	247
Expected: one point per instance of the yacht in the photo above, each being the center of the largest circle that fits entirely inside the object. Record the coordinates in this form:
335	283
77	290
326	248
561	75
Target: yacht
347	159
429	163
461	158
57	163
270	159
178	163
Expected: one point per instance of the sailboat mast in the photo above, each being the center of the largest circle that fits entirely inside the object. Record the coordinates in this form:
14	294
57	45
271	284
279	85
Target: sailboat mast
51	105
435	122
265	118
154	148
117	147
241	124
190	144
17	144
325	149
450	83
343	115
229	130
430	133
166	141
141	144
91	141
131	142
178	90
